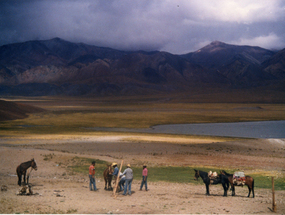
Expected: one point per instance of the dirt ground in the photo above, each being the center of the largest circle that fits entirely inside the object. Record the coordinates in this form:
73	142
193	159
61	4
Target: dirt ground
57	190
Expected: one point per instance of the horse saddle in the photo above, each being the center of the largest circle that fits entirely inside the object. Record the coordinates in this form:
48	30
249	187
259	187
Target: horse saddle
239	178
213	177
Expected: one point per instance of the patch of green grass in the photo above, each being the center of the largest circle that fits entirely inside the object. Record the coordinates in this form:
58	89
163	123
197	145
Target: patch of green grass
175	174
261	181
81	165
179	174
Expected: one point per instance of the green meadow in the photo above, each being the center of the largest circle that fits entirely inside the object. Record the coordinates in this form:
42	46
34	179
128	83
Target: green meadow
176	174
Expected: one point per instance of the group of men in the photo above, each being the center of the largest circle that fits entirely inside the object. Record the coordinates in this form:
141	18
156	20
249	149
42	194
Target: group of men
125	178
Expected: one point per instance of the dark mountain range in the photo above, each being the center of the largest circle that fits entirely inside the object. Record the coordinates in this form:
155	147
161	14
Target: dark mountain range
58	67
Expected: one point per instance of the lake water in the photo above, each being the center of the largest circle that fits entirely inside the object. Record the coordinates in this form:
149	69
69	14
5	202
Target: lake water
261	129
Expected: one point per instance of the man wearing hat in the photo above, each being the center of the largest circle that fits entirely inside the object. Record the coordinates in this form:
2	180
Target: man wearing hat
144	177
128	179
116	170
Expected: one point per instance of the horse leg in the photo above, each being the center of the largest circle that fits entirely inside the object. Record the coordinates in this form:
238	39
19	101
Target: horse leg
225	189
249	190
19	175
19	179
207	189
111	177
28	179
110	185
28	174
24	174
233	190
105	184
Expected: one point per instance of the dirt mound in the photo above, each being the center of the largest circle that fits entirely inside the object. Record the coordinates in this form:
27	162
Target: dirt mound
11	110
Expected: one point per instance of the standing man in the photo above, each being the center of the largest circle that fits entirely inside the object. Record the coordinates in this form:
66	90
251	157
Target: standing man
92	176
144	178
128	179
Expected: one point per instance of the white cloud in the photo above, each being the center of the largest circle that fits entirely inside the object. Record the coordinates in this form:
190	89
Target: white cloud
270	41
240	11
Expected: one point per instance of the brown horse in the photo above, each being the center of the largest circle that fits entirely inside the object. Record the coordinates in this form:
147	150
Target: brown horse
22	170
107	174
249	181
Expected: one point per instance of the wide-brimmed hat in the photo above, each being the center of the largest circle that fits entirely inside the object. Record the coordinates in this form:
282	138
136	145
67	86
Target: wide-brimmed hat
129	165
114	164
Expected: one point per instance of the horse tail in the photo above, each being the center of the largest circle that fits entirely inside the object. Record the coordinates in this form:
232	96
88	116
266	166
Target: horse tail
252	184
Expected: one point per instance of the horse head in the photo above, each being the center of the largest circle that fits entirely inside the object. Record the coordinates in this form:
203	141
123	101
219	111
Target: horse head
34	164
110	169
197	174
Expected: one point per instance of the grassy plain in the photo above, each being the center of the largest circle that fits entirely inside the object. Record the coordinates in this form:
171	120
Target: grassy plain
72	115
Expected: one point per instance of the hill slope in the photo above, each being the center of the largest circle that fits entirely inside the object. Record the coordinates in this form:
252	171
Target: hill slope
12	110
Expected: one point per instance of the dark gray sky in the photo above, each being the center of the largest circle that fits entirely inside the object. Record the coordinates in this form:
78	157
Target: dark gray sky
175	26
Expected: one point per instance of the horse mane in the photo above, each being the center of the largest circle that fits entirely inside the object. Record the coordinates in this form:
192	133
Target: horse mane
227	174
203	172
28	161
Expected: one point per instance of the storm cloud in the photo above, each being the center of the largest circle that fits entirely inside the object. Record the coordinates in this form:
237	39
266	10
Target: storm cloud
175	26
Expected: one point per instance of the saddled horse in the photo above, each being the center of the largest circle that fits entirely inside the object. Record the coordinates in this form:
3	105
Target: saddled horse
107	174
249	181
221	179
23	168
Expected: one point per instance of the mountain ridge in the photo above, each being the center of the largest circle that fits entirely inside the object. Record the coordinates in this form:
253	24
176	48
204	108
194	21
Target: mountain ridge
59	67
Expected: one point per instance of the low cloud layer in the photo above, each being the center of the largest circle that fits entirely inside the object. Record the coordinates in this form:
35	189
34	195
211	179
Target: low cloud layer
178	26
